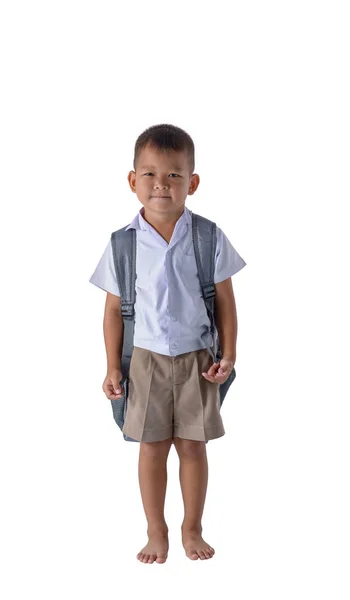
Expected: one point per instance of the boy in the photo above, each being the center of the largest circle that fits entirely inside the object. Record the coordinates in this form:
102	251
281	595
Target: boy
173	382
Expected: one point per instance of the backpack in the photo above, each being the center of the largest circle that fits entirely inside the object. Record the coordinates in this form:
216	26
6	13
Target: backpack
124	256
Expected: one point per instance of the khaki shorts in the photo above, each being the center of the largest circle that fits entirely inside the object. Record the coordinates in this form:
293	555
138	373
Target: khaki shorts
169	397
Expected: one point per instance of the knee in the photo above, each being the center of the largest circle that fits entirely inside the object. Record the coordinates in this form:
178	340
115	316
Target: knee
156	449
190	449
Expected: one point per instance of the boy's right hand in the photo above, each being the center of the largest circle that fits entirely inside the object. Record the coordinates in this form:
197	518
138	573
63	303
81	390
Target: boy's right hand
112	386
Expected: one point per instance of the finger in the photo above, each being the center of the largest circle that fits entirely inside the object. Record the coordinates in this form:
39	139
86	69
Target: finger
112	396
208	377
213	369
220	379
112	393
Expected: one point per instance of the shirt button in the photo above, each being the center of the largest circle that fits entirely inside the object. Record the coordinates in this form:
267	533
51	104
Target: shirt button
173	345
173	318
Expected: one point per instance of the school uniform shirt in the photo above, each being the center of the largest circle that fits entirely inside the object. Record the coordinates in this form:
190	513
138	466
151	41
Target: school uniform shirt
170	313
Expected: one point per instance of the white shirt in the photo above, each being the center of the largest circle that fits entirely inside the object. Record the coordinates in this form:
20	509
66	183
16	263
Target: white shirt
170	313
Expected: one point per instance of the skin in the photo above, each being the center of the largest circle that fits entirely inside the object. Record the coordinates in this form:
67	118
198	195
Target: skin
167	174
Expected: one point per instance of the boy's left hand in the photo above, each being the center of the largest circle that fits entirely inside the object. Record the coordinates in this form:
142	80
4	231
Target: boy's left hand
219	372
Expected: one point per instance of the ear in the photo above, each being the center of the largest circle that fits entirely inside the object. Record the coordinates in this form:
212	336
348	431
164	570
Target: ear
194	183
131	180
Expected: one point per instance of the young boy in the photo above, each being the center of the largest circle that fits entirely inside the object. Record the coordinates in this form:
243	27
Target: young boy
173	383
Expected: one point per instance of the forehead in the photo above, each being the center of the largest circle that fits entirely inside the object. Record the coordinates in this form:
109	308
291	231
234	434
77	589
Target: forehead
152	158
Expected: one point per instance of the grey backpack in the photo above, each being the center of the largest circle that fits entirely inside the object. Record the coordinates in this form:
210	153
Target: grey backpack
124	255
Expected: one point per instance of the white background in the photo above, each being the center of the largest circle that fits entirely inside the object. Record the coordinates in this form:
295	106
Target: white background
263	89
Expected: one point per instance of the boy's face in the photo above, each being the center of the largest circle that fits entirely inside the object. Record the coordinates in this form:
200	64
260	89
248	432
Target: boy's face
162	181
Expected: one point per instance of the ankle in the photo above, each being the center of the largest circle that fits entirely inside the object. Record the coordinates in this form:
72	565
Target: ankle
157	529
191	527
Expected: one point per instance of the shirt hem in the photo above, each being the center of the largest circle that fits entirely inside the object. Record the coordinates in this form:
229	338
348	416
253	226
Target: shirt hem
160	348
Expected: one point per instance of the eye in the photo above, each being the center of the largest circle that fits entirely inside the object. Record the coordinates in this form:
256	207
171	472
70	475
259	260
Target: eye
149	173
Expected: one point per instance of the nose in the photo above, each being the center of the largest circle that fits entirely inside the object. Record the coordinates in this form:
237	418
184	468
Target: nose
160	183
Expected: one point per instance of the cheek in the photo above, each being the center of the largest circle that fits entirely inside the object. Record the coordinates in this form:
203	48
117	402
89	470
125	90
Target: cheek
180	185
145	184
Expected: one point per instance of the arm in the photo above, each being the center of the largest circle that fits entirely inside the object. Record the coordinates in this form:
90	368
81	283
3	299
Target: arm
226	319
113	327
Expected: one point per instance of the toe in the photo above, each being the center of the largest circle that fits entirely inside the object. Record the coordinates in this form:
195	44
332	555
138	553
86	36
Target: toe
201	554
207	554
145	558
161	559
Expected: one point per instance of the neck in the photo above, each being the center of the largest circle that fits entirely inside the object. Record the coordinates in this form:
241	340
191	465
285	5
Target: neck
165	221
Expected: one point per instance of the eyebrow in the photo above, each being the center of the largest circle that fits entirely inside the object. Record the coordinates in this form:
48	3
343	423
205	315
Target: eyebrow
176	168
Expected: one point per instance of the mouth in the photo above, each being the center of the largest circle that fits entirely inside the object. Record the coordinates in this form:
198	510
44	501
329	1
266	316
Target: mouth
160	196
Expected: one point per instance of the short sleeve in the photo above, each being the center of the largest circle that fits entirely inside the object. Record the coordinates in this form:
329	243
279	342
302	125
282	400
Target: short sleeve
104	275
227	260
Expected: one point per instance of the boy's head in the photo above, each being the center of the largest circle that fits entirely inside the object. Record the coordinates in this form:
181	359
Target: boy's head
163	170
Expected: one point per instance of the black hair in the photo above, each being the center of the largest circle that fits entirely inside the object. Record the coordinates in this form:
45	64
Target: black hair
166	137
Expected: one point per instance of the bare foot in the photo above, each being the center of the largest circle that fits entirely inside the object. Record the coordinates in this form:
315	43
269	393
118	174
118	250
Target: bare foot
156	550
195	546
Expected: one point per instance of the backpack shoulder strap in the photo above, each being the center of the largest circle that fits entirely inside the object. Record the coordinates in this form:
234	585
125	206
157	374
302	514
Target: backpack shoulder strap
204	243
124	256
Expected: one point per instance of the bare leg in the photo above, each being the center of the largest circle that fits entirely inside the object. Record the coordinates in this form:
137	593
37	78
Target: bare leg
193	480
153	479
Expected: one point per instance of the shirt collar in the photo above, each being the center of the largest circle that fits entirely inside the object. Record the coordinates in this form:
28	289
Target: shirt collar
140	223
